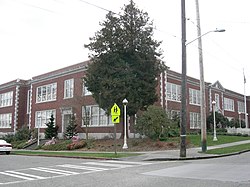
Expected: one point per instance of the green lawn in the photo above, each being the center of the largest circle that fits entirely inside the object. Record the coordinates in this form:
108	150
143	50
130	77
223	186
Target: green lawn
73	154
227	150
222	139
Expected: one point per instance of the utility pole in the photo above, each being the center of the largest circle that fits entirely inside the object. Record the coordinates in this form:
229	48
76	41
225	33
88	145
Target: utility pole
183	83
202	84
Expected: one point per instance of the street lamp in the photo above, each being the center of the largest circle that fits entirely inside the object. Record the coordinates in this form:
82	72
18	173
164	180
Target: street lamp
202	84
125	102
240	119
38	129
216	30
215	138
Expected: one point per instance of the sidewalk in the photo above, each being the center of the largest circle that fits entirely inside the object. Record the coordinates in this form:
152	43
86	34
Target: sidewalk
191	154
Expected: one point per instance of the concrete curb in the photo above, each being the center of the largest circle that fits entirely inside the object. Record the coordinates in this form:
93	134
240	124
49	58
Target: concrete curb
196	158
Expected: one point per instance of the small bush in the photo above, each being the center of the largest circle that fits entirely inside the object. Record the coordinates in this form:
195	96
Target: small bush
9	138
18	144
76	145
23	134
58	147
152	122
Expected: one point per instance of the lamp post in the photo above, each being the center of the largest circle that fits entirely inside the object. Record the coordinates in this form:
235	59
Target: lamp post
125	102
38	130
184	81
202	86
215	138
240	119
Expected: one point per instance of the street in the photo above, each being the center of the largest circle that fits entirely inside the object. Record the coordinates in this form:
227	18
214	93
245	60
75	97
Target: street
49	171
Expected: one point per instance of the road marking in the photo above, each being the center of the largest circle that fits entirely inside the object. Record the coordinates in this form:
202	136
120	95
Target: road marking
82	167
127	162
107	164
25	174
55	171
16	176
90	167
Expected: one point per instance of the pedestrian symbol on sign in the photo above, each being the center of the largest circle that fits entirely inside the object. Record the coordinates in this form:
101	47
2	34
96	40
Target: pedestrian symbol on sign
115	110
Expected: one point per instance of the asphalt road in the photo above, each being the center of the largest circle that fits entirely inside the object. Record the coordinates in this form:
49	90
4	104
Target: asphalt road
32	171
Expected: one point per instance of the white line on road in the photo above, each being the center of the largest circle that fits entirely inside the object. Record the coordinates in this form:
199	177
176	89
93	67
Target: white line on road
17	176
25	174
82	167
55	171
107	164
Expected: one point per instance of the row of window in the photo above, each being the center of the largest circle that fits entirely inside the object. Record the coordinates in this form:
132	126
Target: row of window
195	118
5	120
6	99
93	115
174	94
48	92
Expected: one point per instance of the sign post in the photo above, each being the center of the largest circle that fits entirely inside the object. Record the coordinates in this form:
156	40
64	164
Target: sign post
115	114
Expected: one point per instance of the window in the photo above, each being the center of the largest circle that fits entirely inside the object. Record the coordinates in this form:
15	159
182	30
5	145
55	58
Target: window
46	93
217	100
42	117
6	99
194	97
173	92
241	107
85	90
28	101
68	88
96	116
175	114
195	120
228	104
5	120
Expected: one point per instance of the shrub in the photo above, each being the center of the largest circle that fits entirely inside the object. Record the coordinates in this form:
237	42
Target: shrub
152	122
58	146
76	145
21	134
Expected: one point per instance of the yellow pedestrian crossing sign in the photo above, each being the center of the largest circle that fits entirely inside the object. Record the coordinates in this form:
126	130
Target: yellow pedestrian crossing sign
115	110
115	119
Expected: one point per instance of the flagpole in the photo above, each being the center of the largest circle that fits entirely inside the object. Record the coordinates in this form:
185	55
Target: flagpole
245	100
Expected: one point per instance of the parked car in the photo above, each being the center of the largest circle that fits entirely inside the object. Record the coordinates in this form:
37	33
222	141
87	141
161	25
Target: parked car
5	147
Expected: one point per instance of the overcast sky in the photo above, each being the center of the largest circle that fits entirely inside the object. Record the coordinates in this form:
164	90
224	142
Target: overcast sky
39	36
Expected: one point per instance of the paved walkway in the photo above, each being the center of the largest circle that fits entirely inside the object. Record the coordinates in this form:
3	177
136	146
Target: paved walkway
192	153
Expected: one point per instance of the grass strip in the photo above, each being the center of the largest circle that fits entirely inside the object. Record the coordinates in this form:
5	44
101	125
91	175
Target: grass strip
74	154
222	139
228	150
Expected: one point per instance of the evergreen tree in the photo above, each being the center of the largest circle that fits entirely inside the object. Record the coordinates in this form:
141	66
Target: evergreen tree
71	128
52	129
125	61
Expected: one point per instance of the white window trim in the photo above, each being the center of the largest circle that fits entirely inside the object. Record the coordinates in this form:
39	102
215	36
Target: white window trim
241	107
195	117
193	93
228	106
108	118
6	99
68	88
42	117
85	91
177	90
5	121
53	96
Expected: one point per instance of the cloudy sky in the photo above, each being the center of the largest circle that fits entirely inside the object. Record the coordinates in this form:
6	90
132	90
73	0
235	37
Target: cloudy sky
38	36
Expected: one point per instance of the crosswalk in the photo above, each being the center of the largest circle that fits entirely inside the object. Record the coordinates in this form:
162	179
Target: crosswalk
39	173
